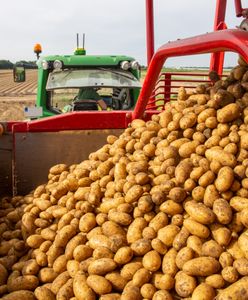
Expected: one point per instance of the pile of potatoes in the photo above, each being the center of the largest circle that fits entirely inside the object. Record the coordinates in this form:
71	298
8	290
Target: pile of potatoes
160	212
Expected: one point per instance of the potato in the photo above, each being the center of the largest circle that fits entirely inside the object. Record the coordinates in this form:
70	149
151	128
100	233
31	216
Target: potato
47	275
53	253
221	156
73	243
221	234
129	269
230	274
99	284
134	193
16	282
3	275
87	222
159	221
168	233
201	266
169	262
73	267
171	208
123	255
44	293
196	228
183	170
30	267
35	240
117	281
41	259
224	179
141	277
147	291
216	281
203	291
66	291
20	295
82	252
184	284
183	256
188	120
223	211
228	113
211	248
81	289
59	265
101	266
162	294
199	212
239	203
243	243
235	291
135	229
59	281
120	218
64	235
3	289
152	261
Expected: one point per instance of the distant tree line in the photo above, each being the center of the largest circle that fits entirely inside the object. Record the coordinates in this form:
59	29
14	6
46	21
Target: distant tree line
6	64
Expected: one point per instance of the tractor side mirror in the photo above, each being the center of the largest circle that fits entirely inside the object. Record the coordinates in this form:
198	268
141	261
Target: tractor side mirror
19	74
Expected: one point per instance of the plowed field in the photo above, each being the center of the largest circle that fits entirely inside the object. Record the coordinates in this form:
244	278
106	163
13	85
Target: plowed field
15	96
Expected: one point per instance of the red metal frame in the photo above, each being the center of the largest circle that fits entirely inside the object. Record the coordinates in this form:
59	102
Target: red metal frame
83	120
149	30
233	40
217	59
239	9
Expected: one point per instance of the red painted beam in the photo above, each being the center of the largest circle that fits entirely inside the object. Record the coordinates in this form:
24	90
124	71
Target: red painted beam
233	40
149	30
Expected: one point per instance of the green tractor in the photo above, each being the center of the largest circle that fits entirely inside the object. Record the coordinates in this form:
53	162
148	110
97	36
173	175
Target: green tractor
85	82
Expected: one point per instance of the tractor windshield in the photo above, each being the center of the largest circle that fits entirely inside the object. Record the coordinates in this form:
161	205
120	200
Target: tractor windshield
75	89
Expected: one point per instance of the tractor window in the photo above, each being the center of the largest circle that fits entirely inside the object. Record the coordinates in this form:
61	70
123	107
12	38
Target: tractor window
62	97
65	100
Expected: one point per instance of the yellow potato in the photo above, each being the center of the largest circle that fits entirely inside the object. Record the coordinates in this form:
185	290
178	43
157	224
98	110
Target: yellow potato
201	266
203	291
44	293
81	289
199	212
236	291
99	284
20	295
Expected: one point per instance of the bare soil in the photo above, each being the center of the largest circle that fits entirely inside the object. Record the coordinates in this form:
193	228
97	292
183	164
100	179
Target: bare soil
15	96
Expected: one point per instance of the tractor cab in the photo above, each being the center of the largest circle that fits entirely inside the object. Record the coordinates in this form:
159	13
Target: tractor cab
86	82
19	73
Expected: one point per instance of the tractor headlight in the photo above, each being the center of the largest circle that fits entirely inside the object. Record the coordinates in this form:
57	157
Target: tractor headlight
45	65
57	65
135	65
125	65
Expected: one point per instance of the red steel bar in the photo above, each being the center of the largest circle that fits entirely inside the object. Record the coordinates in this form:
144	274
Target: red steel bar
217	59
149	30
233	40
238	8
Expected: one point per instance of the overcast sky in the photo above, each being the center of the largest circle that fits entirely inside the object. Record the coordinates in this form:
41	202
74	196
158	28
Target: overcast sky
111	26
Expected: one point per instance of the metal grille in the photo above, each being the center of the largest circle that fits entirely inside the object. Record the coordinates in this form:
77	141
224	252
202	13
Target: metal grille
168	85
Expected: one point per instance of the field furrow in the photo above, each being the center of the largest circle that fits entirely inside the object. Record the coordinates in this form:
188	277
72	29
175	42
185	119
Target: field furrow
15	96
